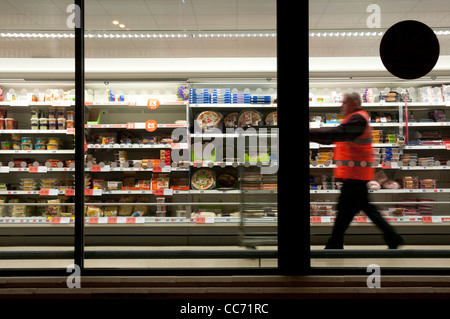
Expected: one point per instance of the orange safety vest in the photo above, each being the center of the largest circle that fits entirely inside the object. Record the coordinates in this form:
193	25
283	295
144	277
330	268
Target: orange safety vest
354	158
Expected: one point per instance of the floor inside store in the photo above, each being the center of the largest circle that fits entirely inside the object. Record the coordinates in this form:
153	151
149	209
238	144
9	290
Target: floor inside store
322	262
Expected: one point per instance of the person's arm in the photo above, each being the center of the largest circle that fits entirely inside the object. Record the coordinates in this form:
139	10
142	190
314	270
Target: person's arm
353	128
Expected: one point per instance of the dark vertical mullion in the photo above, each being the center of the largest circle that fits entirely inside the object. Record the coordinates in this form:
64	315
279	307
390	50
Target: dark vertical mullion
293	172
79	136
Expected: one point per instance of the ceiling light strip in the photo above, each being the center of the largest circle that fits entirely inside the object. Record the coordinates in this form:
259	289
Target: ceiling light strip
359	33
40	35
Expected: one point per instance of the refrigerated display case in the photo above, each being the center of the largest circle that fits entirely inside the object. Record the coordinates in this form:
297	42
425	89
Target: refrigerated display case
410	140
146	183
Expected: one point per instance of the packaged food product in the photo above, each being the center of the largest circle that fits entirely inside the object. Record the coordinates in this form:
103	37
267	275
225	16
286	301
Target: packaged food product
70	124
40	147
2	123
26	140
52	146
226	178
9	123
203	179
51	112
52	124
61	123
17	146
110	211
98	183
125	210
15	137
271	119
53	210
6	145
35	124
230	121
139	210
250	118
43	123
209	120
53	140
27	146
93	211
70	115
60	113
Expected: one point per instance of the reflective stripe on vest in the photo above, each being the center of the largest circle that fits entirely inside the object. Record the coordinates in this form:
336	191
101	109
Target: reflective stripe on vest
349	155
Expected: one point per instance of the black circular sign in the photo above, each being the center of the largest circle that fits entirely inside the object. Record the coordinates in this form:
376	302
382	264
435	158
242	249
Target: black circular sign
409	49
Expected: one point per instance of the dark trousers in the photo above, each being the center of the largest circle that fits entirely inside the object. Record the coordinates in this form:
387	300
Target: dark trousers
354	197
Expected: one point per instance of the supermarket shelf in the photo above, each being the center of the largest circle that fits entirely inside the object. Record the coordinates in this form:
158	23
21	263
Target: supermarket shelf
402	219
136	125
387	191
425	147
232	105
313	145
383	104
427	124
387	124
33	132
403	168
25	103
134	104
37	152
127	146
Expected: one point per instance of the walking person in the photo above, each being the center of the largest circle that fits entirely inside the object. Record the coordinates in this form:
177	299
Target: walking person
353	157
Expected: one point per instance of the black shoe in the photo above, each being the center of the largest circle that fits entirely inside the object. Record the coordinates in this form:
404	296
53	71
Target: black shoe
394	243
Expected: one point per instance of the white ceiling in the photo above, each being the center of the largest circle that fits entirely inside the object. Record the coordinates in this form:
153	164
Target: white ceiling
328	15
141	15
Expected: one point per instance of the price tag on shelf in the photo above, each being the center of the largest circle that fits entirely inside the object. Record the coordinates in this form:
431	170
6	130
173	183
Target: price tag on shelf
168	192
131	126
97	192
361	219
314	124
157	169
204	220
88	192
121	220
158	192
96	168
55	220
111	220
70	131
179	146
316	219
93	220
32	169
69	192
447	145
19	103
130	220
44	192
4	169
153	104
431	219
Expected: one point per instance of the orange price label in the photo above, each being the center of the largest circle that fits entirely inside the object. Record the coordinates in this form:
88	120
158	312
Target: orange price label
316	219
93	220
44	192
131	126
361	219
32	169
96	168
112	220
55	220
157	169
152	104
158	192
69	192
130	220
200	220
88	192
151	126
427	219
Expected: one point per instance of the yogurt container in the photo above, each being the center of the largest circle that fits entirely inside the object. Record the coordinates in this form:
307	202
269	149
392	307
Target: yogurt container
61	123
9	123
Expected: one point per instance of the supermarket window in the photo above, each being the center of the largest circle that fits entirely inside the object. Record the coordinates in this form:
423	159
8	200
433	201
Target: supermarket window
409	121
37	85
181	134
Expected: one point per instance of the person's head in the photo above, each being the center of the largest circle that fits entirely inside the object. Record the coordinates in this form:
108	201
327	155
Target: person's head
350	103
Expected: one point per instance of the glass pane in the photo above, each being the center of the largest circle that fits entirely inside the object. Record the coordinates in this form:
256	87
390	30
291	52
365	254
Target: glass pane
162	191
37	154
409	126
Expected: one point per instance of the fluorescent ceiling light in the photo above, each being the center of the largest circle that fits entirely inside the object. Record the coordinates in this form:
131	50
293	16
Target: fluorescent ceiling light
142	35
115	22
361	33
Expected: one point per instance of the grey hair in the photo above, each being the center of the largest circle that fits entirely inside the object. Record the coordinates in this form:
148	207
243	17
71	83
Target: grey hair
355	97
